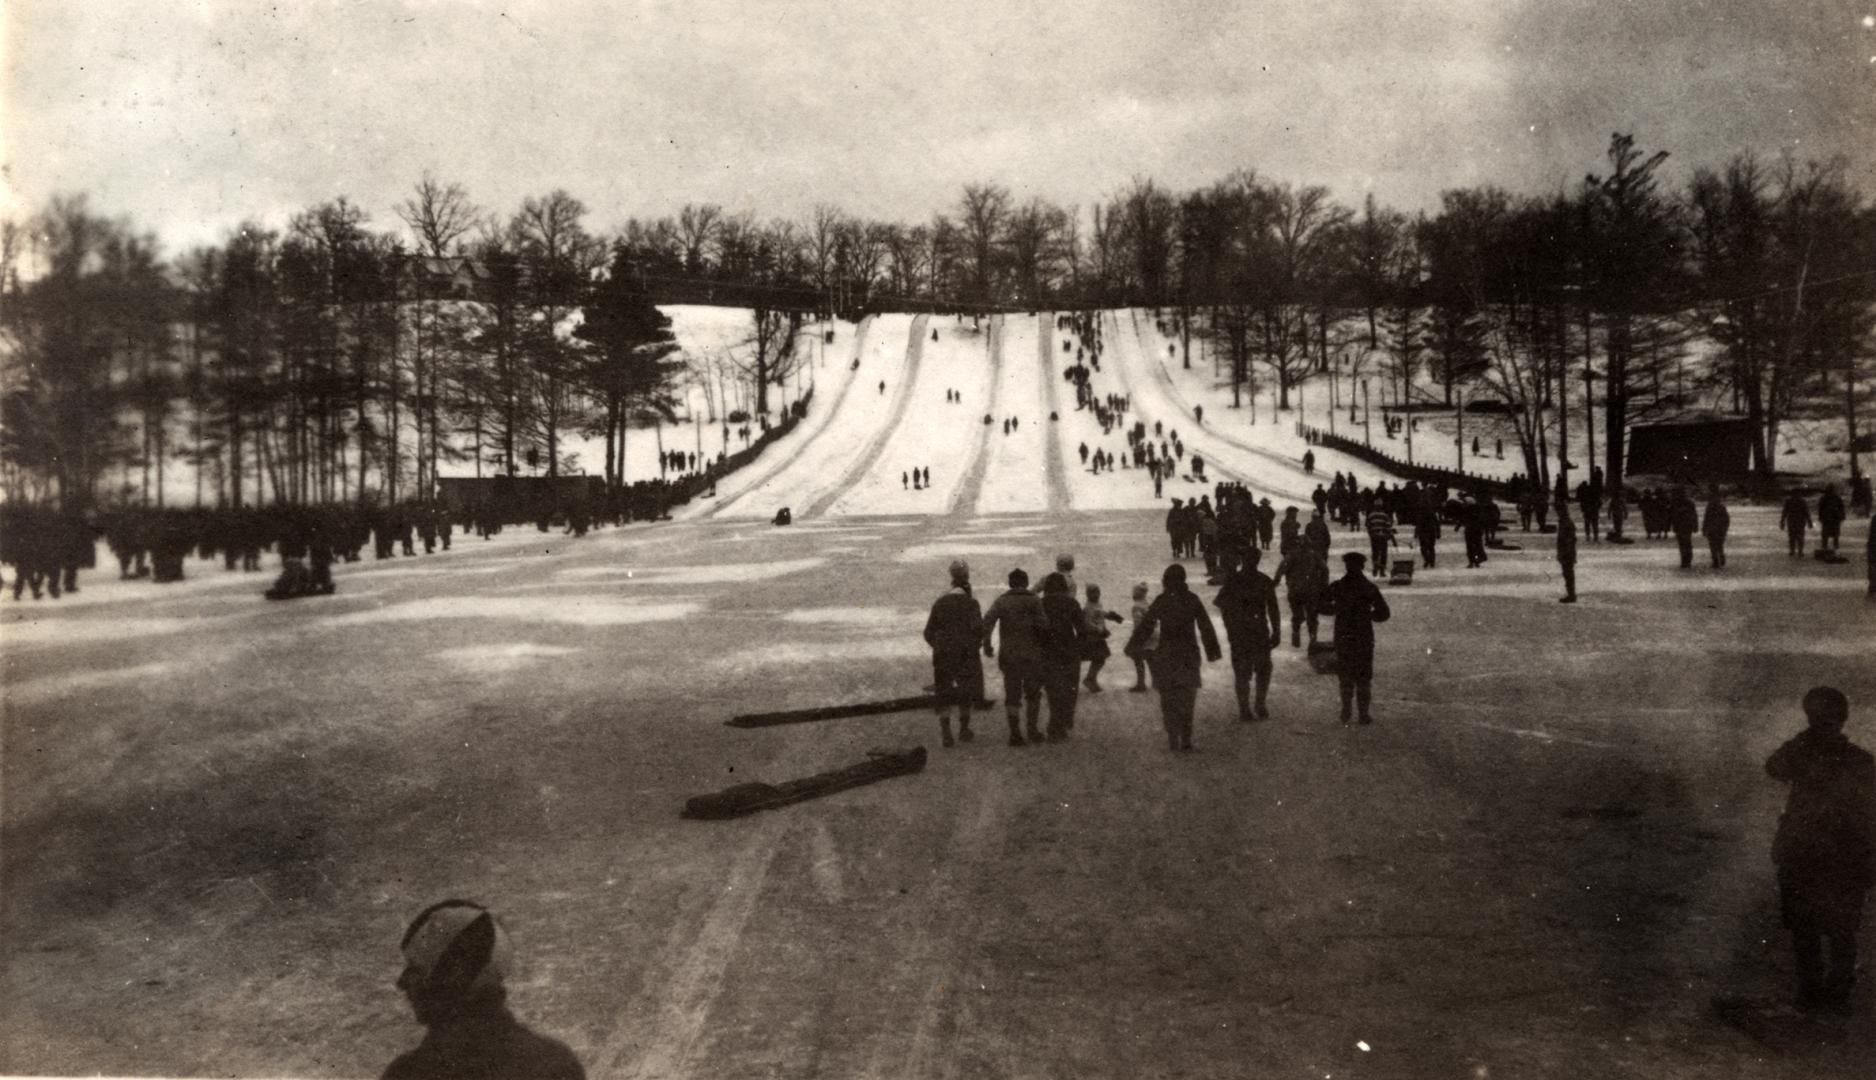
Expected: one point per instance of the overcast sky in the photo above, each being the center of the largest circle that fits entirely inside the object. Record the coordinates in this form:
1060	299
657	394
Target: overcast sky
190	116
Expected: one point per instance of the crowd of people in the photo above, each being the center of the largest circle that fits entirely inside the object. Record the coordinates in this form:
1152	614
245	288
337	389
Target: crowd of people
47	548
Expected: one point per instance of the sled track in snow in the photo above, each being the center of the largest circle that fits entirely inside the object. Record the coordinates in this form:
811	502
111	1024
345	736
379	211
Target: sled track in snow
1171	390
965	498
1216	471
1057	474
901	403
832	408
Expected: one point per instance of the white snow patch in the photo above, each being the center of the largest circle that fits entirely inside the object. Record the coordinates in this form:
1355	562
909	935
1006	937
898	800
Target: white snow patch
853	616
53	687
941	550
799	654
706	574
574	610
503	658
30	631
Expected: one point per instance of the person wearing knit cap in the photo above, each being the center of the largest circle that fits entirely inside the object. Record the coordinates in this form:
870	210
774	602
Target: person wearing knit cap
953	630
455	959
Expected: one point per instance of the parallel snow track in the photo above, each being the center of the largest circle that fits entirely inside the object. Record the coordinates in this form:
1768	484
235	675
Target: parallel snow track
831	408
901	403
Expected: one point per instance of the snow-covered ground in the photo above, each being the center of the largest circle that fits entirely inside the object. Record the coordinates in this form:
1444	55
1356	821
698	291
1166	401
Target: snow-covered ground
1545	859
930	433
814	471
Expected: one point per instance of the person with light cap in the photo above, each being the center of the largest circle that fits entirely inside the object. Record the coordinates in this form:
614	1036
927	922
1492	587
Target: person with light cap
1065	566
1178	618
1357	605
456	956
953	629
1825	848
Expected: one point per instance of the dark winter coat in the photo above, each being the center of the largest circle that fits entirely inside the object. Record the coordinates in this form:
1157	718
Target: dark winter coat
1066	637
1248	607
1019	612
1357	605
1180	618
486	1043
1683	517
1830	509
1305	573
1796	517
956	623
1828	830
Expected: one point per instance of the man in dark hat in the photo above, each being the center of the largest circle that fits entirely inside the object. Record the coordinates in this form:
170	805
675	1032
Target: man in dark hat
1825	848
455	958
1357	605
1180	620
953	630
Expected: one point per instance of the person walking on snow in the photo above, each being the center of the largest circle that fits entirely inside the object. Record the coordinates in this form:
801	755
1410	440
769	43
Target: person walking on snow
1019	613
953	630
1179	620
1248	606
1566	552
1825	849
1713	526
1357	606
1795	519
1138	655
1684	519
1094	620
1306	570
1062	648
1830	514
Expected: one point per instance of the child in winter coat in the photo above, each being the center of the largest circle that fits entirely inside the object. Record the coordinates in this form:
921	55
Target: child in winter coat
1140	685
1094	628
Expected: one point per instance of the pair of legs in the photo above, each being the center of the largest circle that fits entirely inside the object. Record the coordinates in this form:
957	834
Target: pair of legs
1428	554
1377	549
1822	916
1592	526
1794	542
953	685
1716	553
1140	684
1358	690
1252	665
1686	542
1022	698
1176	704
1828	537
1061	683
1302	613
1569	582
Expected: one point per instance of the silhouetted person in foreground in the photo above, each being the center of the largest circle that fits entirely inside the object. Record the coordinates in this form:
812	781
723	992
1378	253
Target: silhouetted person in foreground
1253	625
1178	618
455	958
954	630
1825	848
1357	605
